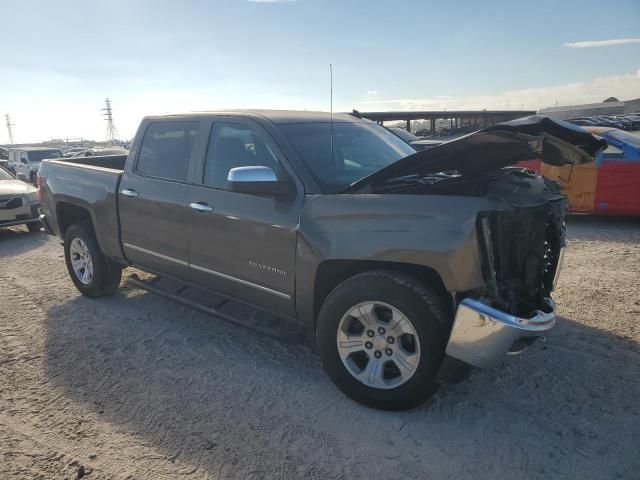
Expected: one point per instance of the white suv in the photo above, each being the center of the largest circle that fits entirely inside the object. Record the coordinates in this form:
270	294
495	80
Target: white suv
24	162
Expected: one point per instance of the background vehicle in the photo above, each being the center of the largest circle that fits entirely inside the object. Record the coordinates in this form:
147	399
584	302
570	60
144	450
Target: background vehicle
94	152
583	122
390	263
4	158
19	203
70	152
416	142
24	162
609	185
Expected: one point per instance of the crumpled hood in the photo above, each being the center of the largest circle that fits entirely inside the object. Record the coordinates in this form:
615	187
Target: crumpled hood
530	138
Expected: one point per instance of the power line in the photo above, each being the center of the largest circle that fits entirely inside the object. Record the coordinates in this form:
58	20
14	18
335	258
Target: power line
9	125
112	131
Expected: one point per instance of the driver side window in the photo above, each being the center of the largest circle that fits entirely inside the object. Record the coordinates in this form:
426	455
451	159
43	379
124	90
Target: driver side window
234	145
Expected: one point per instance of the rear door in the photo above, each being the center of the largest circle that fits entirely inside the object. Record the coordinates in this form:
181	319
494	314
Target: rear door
154	197
244	245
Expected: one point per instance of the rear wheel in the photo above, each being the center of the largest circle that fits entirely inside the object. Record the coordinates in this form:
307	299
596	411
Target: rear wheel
92	273
381	337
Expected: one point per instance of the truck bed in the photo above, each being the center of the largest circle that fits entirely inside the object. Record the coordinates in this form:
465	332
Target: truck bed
87	183
114	162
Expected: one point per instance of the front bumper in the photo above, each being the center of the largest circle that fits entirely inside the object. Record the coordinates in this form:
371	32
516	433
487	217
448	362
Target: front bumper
482	335
22	215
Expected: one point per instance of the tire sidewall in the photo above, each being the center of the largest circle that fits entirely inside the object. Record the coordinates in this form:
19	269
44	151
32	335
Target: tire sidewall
426	323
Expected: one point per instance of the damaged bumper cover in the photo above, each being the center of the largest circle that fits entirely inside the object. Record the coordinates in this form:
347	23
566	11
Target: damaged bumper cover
482	335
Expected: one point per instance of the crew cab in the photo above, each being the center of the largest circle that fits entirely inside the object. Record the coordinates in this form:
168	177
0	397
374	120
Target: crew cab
393	260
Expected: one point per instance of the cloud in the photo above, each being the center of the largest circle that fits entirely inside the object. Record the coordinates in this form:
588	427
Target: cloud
602	43
372	92
624	87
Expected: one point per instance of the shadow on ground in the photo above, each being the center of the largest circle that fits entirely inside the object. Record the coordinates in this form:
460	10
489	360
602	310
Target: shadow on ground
17	240
228	400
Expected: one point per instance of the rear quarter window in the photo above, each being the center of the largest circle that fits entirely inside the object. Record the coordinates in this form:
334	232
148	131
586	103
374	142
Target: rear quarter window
166	149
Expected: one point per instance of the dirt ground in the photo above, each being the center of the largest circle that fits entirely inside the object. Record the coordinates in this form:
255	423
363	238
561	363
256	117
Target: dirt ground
137	387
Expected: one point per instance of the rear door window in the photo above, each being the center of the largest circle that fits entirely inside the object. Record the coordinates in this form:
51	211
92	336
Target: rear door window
166	149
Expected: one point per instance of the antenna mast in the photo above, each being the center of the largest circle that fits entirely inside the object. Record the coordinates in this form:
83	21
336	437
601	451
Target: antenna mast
9	125
331	105
112	131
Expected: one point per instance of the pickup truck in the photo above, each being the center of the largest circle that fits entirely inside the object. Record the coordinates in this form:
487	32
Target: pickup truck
392	260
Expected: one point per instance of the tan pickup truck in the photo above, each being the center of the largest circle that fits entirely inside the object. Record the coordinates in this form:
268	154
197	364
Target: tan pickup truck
392	260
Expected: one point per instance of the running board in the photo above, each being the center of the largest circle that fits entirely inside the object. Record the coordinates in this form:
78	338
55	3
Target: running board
283	329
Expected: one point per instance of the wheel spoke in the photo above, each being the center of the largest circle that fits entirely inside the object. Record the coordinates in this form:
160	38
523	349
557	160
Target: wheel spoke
367	316
406	362
400	325
372	373
349	343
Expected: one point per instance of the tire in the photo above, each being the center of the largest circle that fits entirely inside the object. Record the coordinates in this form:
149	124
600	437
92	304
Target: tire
402	295
34	227
105	274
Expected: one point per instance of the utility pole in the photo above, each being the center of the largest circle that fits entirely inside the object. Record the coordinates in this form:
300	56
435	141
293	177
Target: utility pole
9	125
112	131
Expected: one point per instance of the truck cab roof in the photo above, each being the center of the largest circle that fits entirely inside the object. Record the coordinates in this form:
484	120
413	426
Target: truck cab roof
275	116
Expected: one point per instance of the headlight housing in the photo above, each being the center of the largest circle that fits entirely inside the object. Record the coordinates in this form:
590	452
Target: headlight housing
33	197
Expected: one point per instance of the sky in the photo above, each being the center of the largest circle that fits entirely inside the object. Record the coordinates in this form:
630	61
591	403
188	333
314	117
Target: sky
60	60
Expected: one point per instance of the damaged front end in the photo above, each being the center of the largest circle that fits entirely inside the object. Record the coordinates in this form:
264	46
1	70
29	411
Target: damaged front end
521	256
521	252
521	240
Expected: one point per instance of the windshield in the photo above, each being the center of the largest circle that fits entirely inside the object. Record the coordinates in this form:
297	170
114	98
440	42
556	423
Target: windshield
404	134
626	137
4	175
359	149
38	155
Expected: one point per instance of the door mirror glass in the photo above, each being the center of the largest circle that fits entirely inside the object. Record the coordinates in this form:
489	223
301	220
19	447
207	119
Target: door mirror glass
257	180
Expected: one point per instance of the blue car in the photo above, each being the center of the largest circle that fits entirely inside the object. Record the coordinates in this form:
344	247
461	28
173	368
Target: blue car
622	145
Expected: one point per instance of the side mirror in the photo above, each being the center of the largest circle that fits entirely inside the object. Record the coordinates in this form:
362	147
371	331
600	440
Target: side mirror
257	180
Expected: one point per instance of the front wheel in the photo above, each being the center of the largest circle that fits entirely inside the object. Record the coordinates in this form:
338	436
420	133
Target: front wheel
381	336
92	273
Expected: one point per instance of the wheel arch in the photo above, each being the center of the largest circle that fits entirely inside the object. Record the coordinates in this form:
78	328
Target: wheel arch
68	214
330	273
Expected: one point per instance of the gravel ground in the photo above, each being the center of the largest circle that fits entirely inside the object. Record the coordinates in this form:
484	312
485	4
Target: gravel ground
137	387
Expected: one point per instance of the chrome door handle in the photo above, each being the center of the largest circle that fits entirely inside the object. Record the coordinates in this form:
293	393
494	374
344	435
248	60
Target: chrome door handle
201	207
127	192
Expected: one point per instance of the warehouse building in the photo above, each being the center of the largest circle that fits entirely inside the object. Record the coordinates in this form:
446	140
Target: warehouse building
590	109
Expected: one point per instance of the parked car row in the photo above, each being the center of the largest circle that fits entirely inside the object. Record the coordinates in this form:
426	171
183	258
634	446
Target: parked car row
623	122
24	162
416	142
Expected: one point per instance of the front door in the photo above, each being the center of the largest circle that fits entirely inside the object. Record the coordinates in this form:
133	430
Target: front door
154	198
243	245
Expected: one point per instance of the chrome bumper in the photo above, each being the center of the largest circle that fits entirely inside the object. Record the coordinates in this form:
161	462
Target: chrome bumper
482	335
